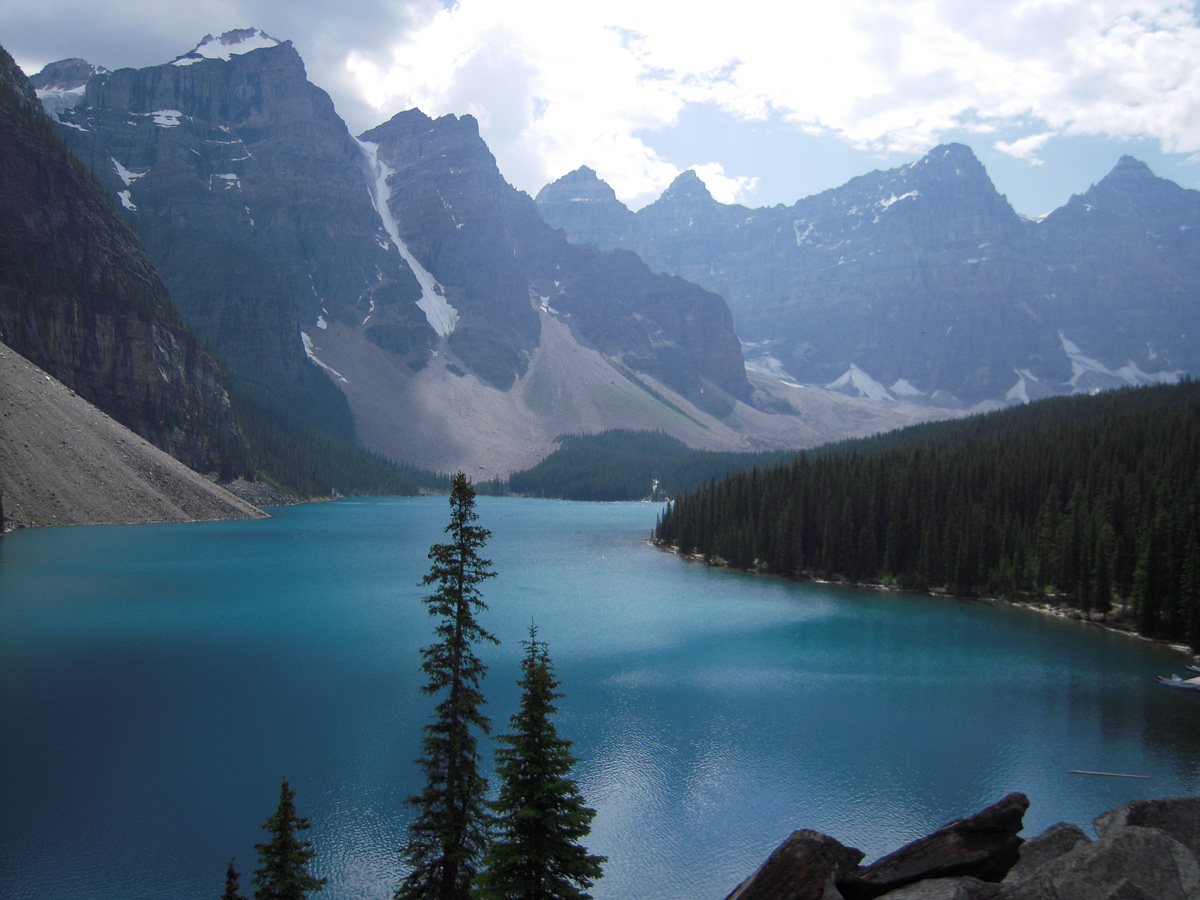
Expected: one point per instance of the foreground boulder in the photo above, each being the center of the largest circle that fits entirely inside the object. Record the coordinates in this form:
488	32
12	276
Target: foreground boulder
1129	863
1146	850
982	846
804	867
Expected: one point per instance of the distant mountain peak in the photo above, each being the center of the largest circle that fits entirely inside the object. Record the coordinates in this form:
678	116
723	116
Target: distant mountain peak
1128	165
60	85
687	186
231	43
65	75
581	185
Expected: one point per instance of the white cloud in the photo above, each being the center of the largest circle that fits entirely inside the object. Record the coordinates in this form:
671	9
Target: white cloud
725	188
1026	148
559	85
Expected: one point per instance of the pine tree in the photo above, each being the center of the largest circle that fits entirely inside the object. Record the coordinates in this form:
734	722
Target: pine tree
232	887
541	817
282	872
449	835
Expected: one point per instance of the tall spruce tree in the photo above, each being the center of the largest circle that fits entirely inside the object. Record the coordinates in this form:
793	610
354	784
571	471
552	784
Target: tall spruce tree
233	888
540	814
282	872
449	836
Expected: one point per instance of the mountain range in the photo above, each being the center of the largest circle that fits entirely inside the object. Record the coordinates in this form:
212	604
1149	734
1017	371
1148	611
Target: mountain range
922	283
393	290
392	287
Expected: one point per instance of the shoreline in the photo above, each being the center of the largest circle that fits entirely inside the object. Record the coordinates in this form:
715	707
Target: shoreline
1045	608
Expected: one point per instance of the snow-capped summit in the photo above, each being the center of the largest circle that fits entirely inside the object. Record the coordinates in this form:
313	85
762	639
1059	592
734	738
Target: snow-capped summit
231	43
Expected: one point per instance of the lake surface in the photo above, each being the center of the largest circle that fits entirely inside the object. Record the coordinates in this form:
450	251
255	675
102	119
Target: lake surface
157	681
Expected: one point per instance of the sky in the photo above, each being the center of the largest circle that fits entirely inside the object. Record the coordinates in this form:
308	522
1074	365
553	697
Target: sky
768	101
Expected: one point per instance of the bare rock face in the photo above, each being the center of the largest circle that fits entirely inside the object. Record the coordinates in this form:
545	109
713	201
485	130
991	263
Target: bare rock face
982	846
497	260
80	298
804	867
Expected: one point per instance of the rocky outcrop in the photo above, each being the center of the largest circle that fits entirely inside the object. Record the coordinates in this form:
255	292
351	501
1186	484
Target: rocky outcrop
80	298
1145	849
924	278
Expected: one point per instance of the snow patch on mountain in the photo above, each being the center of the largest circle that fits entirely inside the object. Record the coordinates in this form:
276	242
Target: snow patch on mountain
442	317
56	101
310	352
1089	375
893	199
857	382
904	388
127	177
166	118
229	44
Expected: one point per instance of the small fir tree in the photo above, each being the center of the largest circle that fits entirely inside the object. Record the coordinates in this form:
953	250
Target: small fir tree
233	889
540	814
450	833
282	872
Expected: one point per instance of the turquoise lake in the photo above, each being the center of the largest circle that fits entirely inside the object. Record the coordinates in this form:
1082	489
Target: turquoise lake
156	682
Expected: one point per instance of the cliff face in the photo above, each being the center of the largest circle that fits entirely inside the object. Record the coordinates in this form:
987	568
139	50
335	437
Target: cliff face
499	262
81	299
250	195
924	278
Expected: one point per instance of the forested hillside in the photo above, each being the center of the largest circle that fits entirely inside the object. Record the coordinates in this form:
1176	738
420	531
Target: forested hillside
1090	501
619	464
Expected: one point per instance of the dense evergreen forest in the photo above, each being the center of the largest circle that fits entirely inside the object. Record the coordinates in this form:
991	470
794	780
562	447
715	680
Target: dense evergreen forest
1091	502
300	459
625	465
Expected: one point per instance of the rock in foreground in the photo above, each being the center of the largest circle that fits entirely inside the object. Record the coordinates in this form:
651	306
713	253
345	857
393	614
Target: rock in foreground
1145	849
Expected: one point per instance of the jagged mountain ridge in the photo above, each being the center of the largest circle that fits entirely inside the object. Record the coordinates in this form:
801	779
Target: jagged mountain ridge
264	215
80	298
924	277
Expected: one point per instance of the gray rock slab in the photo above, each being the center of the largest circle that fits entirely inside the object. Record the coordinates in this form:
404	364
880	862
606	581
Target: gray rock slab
1177	816
964	888
1038	852
804	867
983	846
1130	863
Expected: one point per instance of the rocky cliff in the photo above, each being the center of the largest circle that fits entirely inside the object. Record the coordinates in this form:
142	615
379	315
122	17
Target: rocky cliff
249	194
81	299
922	281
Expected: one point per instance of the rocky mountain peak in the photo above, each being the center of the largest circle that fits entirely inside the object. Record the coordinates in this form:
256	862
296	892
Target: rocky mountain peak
582	185
231	43
65	75
687	187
